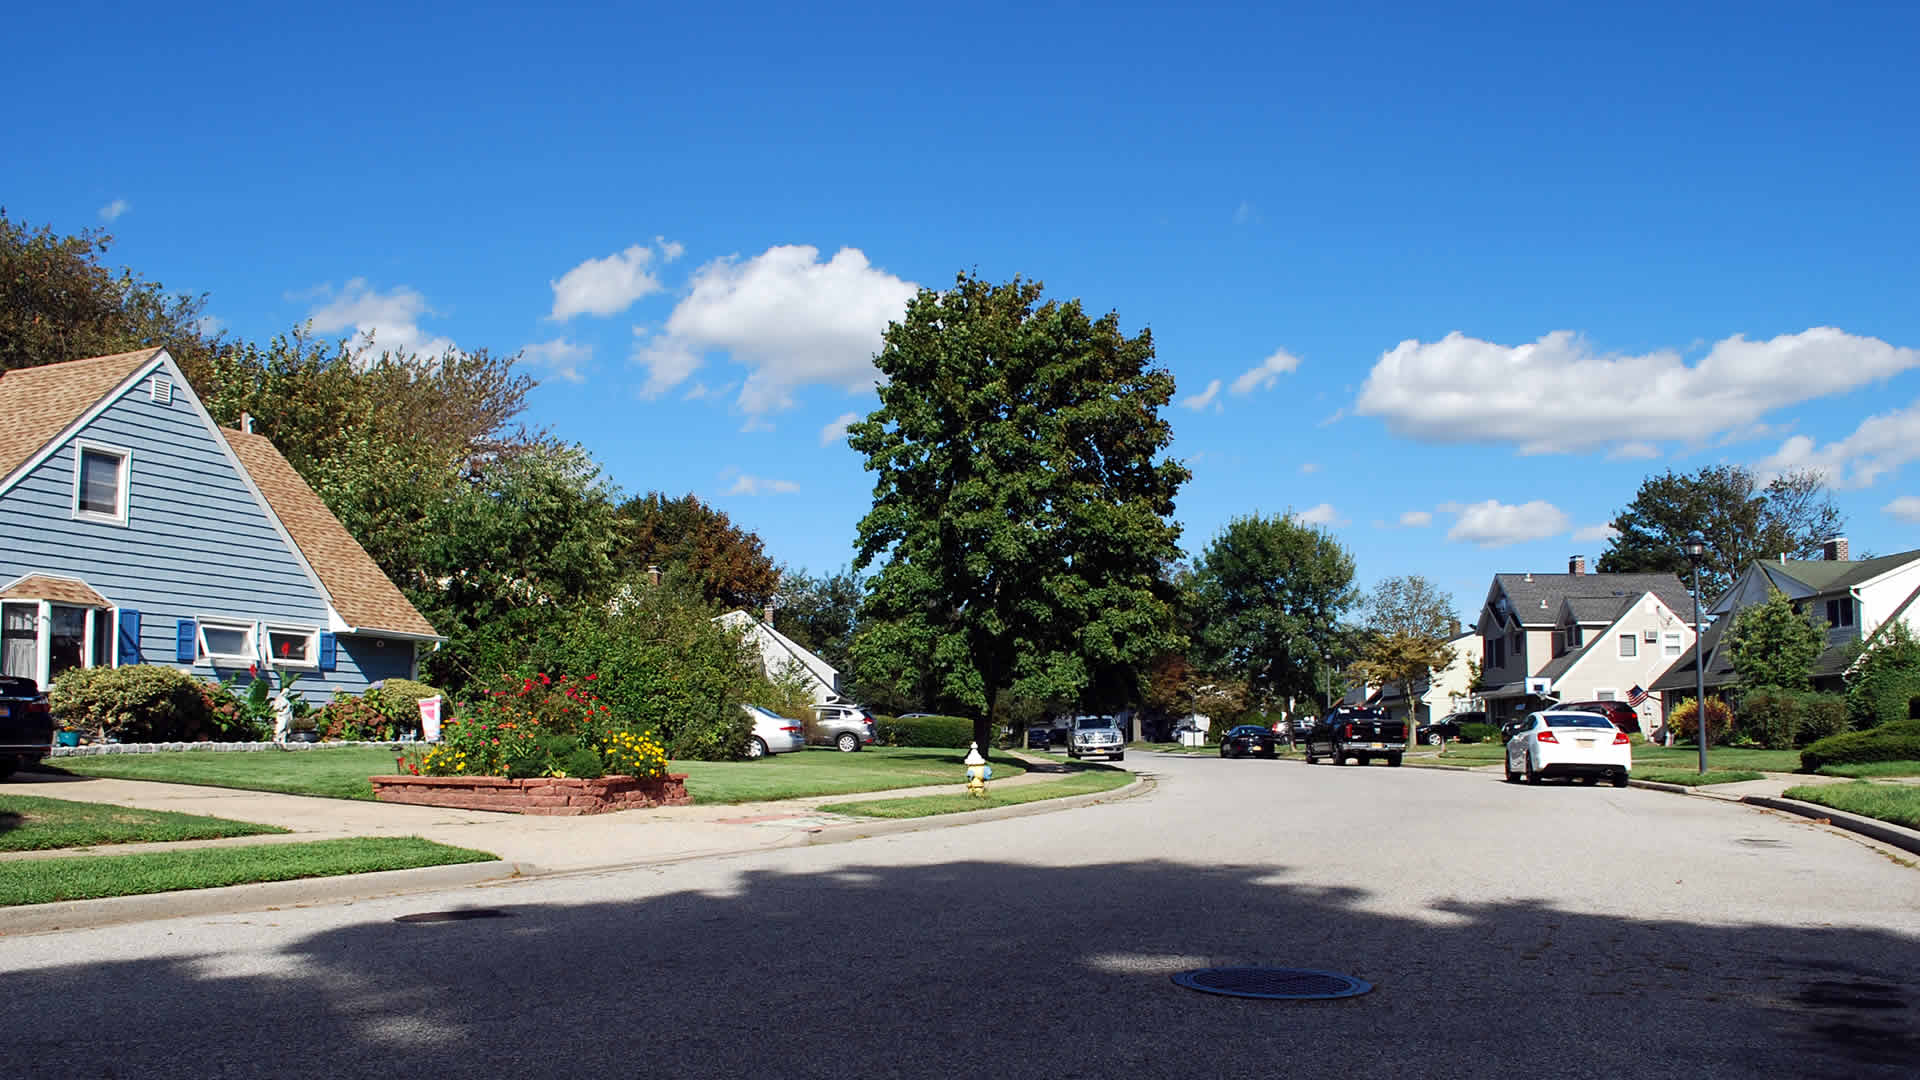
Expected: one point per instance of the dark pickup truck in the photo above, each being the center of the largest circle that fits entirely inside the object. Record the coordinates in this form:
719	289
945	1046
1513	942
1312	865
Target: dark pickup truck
26	725
1356	733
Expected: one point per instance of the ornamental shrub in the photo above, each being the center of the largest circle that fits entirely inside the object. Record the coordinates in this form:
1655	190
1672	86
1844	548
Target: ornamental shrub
954	732
1719	719
1821	715
1899	741
1883	683
540	726
137	703
1771	717
357	719
1478	733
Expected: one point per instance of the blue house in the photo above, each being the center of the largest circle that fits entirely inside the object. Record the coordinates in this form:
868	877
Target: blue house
133	529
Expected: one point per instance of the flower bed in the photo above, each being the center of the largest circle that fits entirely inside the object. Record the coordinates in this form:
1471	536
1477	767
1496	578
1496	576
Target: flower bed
555	795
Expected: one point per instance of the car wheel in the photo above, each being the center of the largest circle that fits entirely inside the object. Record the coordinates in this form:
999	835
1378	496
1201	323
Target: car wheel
7	765
756	748
1532	777
1620	779
1393	761
1507	765
1432	739
1308	754
1119	757
847	742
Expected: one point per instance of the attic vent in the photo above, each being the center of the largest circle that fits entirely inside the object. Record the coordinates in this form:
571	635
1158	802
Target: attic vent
162	390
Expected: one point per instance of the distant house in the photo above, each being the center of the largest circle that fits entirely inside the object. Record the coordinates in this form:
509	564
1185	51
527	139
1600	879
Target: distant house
133	529
780	653
1548	638
1441	692
1857	598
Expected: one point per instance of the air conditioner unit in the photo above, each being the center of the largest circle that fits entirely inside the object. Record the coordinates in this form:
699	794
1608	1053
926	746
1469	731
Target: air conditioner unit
1649	636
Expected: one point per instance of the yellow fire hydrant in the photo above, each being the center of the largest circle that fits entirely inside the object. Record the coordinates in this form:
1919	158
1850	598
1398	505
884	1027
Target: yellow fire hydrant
978	772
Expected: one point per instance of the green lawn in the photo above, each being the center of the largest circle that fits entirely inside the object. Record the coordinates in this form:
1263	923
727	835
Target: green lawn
1872	769
336	773
1095	778
1695	778
1898	803
88	877
822	771
31	823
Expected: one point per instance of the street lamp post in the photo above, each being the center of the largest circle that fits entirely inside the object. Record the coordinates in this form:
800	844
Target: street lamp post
1326	679
1697	551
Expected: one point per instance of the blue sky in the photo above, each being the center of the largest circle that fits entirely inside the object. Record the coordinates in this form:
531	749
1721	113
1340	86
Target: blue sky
1449	280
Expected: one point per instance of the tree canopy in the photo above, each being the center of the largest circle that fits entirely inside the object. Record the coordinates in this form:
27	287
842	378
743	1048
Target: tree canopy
1022	506
1773	645
1410	622
690	540
1266	597
820	613
1739	520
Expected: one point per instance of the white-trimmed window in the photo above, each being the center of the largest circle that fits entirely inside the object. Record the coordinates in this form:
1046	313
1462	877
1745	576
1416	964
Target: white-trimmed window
292	647
100	476
223	641
1629	646
1670	642
1606	695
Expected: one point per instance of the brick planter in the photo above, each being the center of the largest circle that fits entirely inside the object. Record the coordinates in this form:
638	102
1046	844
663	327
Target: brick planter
544	795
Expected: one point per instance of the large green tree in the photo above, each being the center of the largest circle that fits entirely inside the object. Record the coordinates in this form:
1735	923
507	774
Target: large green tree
1739	519
694	542
1022	502
1409	622
820	613
1266	597
1773	645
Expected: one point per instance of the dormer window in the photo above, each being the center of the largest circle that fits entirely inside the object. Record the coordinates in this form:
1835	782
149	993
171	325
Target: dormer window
100	483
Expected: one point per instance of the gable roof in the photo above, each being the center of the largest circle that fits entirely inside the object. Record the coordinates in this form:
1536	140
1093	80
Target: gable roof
1832	575
1588	610
64	590
1680	674
1528	592
38	403
776	648
358	589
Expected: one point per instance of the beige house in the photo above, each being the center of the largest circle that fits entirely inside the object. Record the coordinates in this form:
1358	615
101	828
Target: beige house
1441	692
1548	638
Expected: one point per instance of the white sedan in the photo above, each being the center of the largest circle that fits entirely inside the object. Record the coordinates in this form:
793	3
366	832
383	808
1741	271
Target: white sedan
1569	744
773	733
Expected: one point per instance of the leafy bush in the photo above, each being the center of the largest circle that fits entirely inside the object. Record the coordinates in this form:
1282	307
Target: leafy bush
360	718
1899	741
1719	719
1771	716
1823	715
934	731
137	703
238	716
540	726
1885	680
1477	733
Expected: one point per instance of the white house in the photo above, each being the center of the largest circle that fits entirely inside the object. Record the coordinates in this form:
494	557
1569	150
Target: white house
780	653
1441	692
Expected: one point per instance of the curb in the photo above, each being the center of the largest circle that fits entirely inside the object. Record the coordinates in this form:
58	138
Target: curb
1905	839
257	897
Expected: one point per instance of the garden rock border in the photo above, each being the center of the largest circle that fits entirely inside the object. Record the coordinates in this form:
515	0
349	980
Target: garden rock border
97	749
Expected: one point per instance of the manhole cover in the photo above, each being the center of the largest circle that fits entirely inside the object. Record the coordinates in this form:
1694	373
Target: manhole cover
459	915
1260	982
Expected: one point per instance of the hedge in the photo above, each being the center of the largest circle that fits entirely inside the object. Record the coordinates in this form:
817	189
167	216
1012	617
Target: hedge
1890	742
1478	733
137	703
955	732
1782	719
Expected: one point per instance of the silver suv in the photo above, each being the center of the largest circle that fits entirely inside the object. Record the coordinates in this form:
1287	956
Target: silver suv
1096	735
846	728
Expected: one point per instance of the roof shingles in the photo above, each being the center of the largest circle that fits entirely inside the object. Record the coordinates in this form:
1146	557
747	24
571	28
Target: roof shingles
38	403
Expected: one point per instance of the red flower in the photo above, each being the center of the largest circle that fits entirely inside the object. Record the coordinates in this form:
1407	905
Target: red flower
594	676
544	681
253	670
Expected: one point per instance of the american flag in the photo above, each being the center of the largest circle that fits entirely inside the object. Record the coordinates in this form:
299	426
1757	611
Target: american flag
1635	696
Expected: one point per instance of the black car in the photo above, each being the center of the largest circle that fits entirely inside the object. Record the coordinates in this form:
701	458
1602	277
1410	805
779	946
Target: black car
26	725
1039	738
1433	731
1248	739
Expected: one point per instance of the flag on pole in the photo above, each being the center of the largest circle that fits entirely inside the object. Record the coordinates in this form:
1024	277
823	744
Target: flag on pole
1635	696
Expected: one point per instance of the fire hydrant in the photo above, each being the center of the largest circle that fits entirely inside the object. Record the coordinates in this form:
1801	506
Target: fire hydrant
978	772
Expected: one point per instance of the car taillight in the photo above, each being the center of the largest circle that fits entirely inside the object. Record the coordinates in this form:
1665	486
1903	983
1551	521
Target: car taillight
1546	736
790	727
1620	739
1349	733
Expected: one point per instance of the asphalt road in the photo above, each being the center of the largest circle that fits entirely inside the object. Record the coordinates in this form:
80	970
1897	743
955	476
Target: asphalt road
1558	931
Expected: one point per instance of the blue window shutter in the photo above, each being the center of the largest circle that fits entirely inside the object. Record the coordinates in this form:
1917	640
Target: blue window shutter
186	642
329	656
129	651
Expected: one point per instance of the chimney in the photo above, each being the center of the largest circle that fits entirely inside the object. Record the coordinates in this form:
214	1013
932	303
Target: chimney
1577	564
653	575
768	611
246	423
1835	550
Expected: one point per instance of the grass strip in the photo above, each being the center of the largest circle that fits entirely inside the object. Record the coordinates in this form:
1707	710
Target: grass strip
1873	768
90	877
337	773
31	823
825	771
1083	783
1897	803
1695	778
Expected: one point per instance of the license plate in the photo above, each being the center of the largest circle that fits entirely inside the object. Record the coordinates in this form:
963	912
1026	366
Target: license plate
1376	746
1584	742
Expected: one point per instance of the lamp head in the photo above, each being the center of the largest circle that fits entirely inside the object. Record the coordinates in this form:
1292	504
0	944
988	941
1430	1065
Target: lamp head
1696	549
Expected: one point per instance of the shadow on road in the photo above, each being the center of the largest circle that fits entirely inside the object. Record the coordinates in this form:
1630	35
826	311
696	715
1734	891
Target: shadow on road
987	969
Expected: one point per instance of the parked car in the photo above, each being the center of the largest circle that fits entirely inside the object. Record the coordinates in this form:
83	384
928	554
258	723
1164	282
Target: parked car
1619	713
1096	735
1447	727
26	724
846	728
773	733
1561	742
1039	738
1248	739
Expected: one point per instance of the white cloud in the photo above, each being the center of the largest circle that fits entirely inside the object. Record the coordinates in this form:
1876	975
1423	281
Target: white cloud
1280	363
114	209
1601	533
1905	507
388	322
1633	451
1543	397
837	430
669	249
604	286
560	356
748	484
1878	446
1246	212
1310	468
1324	514
1198	402
1495	524
209	325
1416	519
789	318
1336	416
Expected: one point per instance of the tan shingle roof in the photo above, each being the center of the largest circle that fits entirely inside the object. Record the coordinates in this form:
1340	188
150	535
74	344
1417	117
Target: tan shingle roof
361	592
58	589
38	403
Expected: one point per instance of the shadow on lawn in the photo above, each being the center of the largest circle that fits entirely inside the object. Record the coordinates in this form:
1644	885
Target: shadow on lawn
986	967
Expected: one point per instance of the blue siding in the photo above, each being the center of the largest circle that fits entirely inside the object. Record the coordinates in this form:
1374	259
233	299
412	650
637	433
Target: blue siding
196	543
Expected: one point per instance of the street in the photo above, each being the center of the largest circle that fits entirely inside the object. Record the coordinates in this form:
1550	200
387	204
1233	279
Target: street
1560	930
